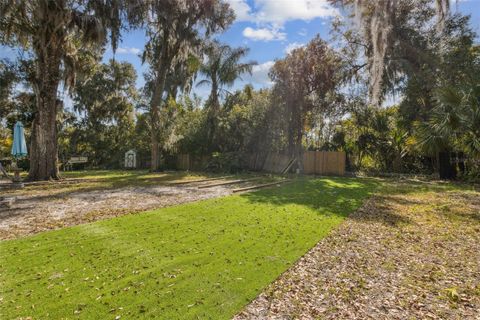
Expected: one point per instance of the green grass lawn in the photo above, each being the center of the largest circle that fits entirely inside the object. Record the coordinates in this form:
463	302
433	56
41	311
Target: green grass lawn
203	260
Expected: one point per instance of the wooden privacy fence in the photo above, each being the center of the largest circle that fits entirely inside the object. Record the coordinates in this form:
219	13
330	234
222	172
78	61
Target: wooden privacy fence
189	162
324	162
314	162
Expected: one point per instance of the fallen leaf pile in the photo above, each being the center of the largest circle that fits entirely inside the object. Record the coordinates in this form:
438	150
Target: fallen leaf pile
413	253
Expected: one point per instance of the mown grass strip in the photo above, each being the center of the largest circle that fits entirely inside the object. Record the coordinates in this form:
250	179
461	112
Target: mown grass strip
200	260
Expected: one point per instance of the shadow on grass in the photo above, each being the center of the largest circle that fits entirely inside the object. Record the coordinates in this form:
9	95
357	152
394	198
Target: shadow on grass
341	196
332	195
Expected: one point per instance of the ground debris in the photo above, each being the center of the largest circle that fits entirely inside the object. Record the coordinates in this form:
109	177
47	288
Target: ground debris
403	255
47	210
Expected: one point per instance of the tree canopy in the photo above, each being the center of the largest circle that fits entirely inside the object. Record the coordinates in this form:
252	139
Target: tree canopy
325	95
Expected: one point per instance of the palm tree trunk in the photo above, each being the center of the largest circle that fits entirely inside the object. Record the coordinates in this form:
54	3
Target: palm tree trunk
397	162
44	147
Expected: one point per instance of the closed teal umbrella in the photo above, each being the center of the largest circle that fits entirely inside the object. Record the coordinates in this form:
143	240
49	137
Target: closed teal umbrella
19	146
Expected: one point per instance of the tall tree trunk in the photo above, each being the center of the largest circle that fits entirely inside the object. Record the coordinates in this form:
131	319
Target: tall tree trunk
212	115
295	132
155	117
155	128
44	145
299	150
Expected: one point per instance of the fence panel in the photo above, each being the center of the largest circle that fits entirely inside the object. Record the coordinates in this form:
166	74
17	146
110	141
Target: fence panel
324	162
309	162
183	162
314	162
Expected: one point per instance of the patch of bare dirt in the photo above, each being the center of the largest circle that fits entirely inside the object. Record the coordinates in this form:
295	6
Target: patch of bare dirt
409	255
40	211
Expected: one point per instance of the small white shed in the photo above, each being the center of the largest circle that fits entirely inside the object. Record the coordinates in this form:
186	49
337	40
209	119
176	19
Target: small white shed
130	159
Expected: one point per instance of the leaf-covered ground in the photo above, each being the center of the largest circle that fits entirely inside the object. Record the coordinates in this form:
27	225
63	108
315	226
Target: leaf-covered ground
202	260
89	196
411	252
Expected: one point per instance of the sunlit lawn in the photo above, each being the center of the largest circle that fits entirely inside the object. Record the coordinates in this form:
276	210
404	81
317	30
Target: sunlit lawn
201	260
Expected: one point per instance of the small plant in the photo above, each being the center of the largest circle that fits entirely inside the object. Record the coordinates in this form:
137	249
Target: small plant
452	294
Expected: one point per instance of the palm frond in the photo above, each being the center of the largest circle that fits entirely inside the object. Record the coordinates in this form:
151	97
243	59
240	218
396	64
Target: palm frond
203	82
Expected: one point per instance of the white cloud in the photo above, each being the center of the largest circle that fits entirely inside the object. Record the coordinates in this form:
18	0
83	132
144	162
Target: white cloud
260	74
264	34
293	46
271	15
277	12
127	50
241	8
280	11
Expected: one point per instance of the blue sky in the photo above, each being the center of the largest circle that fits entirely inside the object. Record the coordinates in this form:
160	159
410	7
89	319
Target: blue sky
268	27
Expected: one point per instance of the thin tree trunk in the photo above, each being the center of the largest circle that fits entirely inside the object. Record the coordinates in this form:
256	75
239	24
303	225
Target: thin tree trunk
44	145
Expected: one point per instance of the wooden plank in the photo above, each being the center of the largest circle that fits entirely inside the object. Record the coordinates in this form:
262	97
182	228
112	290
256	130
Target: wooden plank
318	162
290	164
260	186
343	161
198	180
312	161
7	202
227	183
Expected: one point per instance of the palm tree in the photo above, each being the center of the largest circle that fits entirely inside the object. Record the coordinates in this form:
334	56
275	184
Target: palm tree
457	117
175	30
454	123
221	68
53	32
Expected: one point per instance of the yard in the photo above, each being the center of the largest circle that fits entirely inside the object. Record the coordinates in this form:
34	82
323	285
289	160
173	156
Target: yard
324	248
205	259
94	195
291	111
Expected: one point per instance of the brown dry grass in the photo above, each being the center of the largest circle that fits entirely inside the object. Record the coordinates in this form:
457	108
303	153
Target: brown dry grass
95	195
